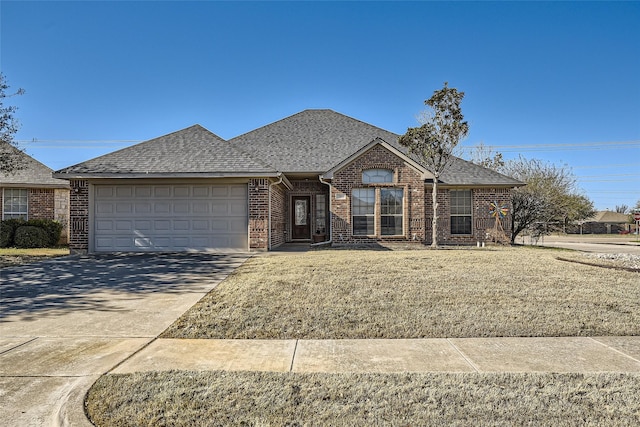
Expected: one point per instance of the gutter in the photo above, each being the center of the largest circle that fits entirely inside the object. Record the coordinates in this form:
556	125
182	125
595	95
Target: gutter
330	241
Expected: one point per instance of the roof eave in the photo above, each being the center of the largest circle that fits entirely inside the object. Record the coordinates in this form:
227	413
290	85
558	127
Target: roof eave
95	175
62	185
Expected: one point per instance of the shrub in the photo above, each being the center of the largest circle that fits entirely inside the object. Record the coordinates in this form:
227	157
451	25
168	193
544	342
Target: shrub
51	227
28	236
9	227
8	230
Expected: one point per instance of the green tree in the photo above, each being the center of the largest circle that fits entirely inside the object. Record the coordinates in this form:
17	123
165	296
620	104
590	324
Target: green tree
433	142
10	159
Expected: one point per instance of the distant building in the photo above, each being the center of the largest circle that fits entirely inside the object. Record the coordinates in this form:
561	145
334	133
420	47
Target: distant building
605	222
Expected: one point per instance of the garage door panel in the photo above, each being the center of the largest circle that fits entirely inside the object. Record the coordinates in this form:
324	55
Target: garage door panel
181	207
170	217
239	191
160	207
124	225
124	191
143	207
124	207
162	191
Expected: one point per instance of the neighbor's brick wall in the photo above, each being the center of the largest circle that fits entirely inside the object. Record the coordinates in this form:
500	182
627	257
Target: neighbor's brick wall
278	215
48	203
351	177
258	213
79	216
41	203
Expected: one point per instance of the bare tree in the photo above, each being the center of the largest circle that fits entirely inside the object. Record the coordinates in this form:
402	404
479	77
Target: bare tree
433	142
550	198
10	155
485	156
623	209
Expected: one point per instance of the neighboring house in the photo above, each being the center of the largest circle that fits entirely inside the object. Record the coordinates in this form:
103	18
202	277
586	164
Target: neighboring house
31	192
315	176
606	222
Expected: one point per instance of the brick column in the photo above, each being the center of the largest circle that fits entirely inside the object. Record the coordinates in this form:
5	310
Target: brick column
79	217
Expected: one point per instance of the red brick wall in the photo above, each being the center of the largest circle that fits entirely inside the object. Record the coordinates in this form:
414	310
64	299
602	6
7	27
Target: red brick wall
258	213
351	177
481	220
79	216
278	215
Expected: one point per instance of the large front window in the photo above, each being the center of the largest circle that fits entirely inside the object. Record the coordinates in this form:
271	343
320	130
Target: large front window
15	203
362	210
377	211
460	211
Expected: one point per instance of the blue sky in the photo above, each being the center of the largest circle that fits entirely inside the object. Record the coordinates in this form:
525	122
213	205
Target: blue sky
558	81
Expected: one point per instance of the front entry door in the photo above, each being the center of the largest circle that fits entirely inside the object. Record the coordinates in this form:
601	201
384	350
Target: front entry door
300	217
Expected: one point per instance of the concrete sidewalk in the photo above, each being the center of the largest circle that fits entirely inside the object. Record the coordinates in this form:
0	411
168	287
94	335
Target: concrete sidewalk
570	354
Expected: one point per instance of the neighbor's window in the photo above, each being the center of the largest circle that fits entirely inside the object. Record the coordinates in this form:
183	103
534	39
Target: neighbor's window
15	203
391	208
377	176
362	211
460	211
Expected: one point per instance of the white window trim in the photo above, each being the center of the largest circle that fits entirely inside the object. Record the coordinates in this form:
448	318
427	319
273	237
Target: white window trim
4	204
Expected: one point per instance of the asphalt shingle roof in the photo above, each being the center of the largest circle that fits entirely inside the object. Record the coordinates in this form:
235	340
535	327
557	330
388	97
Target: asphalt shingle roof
310	142
193	150
33	174
318	140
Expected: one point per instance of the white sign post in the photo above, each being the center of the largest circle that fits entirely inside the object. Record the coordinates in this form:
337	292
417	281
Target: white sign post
636	216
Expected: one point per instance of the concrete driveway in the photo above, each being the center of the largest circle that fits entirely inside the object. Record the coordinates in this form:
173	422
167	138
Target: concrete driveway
629	244
65	322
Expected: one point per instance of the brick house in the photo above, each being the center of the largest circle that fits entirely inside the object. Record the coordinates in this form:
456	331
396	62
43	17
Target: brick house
316	176
32	193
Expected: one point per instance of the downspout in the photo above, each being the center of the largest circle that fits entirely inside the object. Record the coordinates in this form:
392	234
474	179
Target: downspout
281	177
328	242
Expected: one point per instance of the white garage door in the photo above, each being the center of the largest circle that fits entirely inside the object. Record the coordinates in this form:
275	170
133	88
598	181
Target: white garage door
143	217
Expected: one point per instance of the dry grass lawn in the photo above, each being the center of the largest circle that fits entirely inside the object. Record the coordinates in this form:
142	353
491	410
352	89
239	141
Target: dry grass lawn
13	256
416	294
393	294
184	398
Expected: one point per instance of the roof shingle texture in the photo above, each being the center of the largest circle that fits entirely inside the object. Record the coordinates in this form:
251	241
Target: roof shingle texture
318	140
190	150
309	142
33	174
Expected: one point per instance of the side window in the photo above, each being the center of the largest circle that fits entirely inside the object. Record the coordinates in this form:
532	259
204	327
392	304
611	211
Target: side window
460	211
